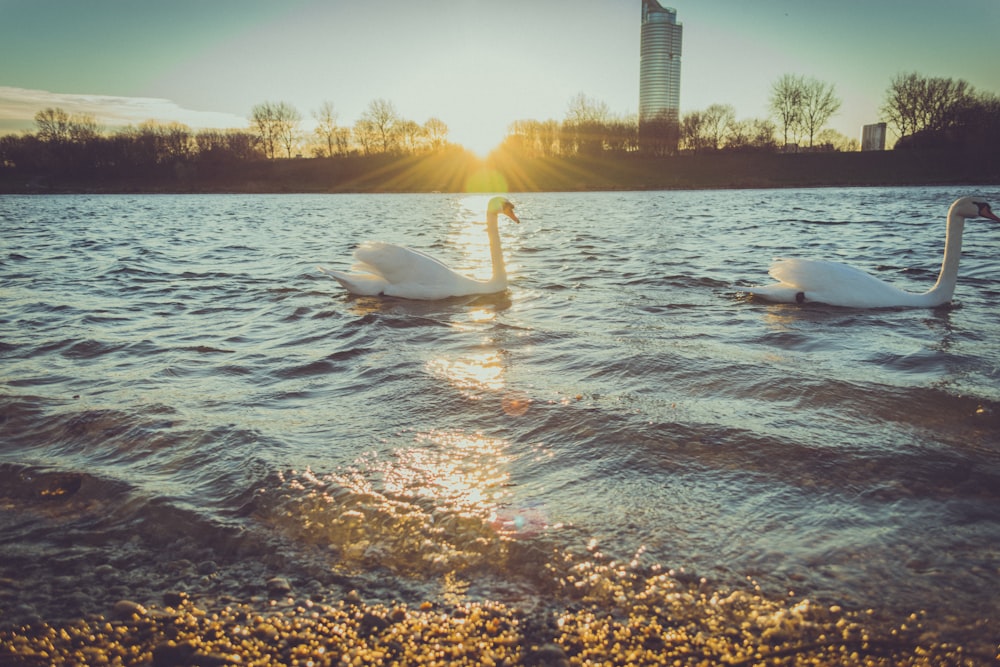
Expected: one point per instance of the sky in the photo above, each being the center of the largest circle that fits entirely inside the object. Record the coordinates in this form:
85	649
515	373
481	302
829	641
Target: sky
477	65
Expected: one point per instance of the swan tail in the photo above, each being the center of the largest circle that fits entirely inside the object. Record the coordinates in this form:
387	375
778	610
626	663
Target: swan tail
779	293
361	284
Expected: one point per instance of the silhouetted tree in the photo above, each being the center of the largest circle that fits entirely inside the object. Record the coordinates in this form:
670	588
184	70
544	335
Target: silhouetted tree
915	103
53	125
411	135
819	103
585	125
383	119
660	134
326	129
717	123
692	133
785	103
366	135
277	126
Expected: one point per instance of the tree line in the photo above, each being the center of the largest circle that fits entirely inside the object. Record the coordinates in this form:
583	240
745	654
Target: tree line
921	111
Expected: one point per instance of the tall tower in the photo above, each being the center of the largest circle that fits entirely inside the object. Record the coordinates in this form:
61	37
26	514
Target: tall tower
659	77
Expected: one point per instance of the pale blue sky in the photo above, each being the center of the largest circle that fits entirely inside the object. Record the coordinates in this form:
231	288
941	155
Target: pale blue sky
477	65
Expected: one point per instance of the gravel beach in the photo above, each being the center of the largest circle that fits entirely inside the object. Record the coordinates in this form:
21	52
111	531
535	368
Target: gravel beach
616	619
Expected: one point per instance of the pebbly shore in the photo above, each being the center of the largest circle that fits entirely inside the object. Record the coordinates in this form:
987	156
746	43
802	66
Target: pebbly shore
659	622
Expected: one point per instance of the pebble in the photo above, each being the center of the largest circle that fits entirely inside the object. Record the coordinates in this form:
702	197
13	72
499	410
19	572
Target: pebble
278	586
668	623
126	609
174	598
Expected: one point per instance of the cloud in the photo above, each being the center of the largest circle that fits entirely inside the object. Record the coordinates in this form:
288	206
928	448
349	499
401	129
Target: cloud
18	107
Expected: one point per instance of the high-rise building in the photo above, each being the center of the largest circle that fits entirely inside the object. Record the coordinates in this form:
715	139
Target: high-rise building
873	137
659	66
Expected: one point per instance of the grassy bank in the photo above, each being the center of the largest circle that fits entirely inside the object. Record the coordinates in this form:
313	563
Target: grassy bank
458	171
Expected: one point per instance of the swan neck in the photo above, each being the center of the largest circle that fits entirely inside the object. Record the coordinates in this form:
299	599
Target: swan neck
944	288
496	250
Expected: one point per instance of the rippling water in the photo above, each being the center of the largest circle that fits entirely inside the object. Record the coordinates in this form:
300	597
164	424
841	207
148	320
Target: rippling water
187	403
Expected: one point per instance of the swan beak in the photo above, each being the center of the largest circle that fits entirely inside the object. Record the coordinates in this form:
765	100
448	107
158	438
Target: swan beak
508	210
986	212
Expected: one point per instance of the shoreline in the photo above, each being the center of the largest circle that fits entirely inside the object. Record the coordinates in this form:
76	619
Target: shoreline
462	172
666	623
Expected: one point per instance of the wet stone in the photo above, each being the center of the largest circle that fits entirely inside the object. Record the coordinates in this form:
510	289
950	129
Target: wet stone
174	598
128	609
174	653
207	567
278	586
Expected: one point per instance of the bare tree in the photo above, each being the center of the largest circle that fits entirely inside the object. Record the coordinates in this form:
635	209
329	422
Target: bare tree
53	125
262	119
277	125
326	128
382	116
762	133
586	123
411	135
786	104
819	103
718	120
436	132
366	135
288	127
914	103
692	134
660	134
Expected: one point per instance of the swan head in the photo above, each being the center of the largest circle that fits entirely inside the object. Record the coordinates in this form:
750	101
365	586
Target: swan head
974	207
499	205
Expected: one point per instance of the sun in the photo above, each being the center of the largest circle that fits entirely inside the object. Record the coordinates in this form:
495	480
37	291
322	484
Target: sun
479	137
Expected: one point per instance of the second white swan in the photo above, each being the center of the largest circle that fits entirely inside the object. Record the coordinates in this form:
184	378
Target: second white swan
835	284
385	269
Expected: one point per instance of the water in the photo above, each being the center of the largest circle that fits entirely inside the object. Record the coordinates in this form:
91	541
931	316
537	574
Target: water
187	404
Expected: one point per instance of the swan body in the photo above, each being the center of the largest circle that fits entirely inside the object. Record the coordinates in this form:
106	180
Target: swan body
835	284
385	269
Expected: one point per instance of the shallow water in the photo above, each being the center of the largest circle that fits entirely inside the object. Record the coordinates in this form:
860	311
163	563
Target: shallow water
187	403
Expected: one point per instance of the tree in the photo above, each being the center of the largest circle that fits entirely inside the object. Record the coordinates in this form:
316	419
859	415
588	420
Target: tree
819	103
914	103
326	128
436	132
717	122
365	134
660	134
692	131
226	145
53	125
383	119
277	126
288	127
838	141
586	124
56	126
786	104
411	135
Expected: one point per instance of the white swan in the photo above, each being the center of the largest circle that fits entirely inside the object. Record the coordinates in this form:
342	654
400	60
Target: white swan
384	269
802	280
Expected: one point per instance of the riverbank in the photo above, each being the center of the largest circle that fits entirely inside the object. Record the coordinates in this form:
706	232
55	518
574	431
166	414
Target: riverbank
460	171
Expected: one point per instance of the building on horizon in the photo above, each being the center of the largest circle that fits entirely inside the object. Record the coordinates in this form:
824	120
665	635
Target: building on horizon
659	77
873	137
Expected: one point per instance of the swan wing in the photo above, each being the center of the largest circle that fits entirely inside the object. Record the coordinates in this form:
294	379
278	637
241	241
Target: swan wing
835	284
411	274
362	284
399	264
